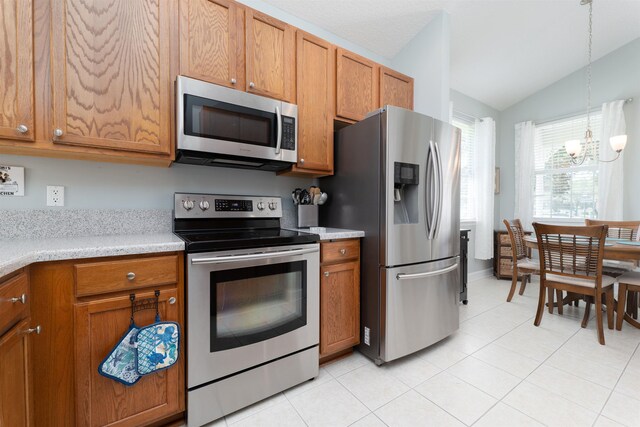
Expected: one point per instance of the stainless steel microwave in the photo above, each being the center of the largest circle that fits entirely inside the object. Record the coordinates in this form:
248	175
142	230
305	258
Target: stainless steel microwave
219	126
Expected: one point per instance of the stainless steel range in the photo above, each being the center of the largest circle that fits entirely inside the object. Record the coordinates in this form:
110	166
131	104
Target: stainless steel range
252	302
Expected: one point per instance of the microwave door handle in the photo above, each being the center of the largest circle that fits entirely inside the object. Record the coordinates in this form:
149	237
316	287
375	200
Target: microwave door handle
250	257
279	133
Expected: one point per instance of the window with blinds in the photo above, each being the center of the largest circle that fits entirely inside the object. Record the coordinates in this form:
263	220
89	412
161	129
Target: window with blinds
467	168
562	190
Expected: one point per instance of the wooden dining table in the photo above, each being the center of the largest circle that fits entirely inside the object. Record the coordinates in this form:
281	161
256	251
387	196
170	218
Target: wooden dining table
613	250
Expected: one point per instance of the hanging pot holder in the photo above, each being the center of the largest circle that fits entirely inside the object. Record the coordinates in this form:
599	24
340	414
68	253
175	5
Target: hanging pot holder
120	363
157	345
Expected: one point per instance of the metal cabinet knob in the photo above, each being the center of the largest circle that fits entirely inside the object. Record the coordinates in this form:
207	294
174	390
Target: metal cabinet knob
252	85
131	275
233	81
22	298
58	133
302	161
22	128
172	300
326	274
36	330
343	251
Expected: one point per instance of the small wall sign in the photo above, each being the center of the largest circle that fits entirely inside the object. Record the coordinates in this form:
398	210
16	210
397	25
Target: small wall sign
11	180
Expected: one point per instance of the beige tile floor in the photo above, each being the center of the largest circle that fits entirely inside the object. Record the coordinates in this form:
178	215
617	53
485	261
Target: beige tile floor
497	370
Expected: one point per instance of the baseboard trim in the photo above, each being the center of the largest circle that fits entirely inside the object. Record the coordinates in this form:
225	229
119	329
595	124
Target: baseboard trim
476	275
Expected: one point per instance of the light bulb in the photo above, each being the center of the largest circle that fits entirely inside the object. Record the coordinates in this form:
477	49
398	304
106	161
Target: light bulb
573	147
618	142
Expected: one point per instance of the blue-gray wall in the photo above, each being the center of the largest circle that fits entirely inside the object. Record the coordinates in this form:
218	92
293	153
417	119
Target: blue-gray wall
615	76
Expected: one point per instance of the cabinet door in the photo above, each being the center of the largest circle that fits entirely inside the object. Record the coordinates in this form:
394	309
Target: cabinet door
100	401
16	69
395	89
111	67
211	41
15	407
339	307
270	57
356	85
315	89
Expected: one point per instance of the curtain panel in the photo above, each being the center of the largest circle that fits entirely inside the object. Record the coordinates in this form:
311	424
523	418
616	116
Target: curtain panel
485	142
524	139
610	175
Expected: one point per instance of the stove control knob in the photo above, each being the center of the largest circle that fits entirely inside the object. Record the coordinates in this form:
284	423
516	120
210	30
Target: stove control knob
204	205
260	206
188	204
273	206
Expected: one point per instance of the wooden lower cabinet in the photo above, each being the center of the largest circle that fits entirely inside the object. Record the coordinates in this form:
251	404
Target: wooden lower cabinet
339	303
100	401
78	331
15	396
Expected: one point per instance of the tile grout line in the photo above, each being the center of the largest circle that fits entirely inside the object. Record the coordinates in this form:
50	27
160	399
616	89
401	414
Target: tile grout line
615	385
296	409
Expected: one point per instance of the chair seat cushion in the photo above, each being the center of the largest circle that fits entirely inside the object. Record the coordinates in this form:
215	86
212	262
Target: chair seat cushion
578	281
630	278
528	264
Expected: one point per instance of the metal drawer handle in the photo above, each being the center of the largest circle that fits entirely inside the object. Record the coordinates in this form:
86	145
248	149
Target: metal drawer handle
131	275
403	276
22	298
58	133
22	128
36	330
343	251
252	85
233	81
172	300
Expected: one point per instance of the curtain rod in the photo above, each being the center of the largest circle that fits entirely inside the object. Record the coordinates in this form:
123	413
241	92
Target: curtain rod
566	116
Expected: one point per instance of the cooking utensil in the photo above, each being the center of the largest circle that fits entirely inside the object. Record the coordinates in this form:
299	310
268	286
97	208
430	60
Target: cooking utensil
322	199
297	196
305	198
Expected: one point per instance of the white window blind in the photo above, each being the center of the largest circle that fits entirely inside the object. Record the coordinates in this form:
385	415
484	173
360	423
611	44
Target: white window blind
562	190
467	169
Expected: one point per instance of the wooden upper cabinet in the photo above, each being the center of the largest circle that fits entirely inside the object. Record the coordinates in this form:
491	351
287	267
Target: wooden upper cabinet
395	89
212	41
111	74
270	62
315	96
15	397
16	69
356	85
100	401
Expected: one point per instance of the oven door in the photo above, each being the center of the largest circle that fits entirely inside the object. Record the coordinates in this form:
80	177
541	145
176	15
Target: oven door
218	120
248	307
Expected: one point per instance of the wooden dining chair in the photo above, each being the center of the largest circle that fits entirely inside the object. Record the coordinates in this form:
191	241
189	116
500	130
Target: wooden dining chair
627	230
571	260
628	284
523	267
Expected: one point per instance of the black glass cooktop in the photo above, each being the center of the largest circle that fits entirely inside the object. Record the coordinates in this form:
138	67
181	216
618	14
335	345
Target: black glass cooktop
218	240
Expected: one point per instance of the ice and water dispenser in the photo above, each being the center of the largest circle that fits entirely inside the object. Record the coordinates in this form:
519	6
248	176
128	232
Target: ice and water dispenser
405	193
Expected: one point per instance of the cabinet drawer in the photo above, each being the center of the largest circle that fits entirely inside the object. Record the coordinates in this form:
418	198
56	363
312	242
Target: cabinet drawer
14	301
113	276
506	251
340	250
504	239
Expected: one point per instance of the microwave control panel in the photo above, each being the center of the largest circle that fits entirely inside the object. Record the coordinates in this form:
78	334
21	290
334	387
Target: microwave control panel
288	133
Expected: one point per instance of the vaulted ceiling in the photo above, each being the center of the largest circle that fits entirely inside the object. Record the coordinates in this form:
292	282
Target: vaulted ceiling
501	50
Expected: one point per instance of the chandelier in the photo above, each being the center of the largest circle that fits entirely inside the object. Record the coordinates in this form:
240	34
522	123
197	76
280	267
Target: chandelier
575	147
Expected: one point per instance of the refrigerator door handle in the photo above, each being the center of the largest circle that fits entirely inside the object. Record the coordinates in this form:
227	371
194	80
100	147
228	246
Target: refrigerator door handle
439	191
404	276
429	190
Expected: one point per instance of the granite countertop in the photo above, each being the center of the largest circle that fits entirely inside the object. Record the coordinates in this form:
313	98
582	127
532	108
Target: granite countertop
18	253
327	233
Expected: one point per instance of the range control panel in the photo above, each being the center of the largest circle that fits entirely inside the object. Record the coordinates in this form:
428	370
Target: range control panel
197	205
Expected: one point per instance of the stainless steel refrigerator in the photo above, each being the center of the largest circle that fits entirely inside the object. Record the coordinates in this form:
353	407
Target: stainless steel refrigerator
397	177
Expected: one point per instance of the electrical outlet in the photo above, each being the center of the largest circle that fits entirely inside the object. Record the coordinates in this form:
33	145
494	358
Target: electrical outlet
55	195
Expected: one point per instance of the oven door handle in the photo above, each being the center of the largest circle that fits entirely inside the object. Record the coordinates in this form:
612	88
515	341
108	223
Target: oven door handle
279	136
249	257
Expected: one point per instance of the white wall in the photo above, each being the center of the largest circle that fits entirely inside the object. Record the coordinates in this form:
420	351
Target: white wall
472	107
615	76
426	59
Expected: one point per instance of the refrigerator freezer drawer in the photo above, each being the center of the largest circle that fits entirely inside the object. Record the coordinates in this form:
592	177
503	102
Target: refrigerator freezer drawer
421	306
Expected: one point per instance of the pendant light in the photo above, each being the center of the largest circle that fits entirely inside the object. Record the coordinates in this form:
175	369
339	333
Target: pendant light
575	147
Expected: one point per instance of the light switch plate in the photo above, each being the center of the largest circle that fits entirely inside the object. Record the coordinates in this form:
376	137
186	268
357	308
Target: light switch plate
55	195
